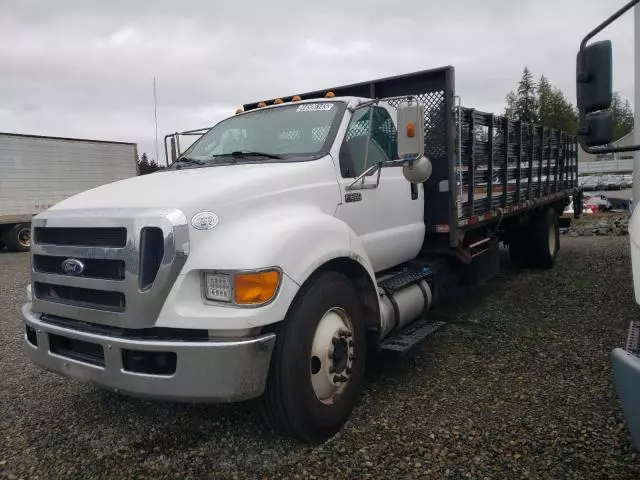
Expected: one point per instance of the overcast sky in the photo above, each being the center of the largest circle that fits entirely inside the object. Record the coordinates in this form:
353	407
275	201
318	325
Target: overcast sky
85	68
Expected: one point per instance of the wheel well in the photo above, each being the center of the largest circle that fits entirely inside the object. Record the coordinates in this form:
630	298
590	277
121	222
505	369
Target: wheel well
513	226
355	272
360	278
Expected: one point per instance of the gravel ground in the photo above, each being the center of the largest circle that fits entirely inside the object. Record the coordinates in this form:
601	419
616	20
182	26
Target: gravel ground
518	385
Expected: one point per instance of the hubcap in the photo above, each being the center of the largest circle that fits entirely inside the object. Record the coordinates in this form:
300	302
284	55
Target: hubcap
332	356
24	237
552	239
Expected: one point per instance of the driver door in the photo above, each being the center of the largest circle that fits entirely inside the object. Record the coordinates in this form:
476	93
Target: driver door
388	218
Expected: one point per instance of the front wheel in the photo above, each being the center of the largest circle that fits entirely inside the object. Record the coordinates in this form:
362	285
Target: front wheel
318	362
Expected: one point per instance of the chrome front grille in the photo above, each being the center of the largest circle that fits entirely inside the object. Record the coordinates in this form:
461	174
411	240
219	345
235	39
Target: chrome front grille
87	237
111	267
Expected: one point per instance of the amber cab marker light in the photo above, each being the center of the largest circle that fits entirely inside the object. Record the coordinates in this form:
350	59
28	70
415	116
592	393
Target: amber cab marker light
239	110
411	129
277	101
296	98
255	288
330	95
261	105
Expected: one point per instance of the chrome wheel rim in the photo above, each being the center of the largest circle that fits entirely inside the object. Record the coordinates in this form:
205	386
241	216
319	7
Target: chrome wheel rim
24	237
332	356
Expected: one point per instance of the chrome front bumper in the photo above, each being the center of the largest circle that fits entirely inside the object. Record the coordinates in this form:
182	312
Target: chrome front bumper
206	371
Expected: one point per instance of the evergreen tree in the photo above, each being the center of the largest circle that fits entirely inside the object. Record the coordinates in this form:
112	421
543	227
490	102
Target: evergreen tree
526	101
522	103
622	116
554	110
510	108
146	166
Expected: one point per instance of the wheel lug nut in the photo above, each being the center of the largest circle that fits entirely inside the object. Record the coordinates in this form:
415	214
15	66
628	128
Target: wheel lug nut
336	379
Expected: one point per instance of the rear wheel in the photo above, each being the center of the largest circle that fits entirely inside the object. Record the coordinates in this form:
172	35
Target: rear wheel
318	362
18	238
544	239
536	245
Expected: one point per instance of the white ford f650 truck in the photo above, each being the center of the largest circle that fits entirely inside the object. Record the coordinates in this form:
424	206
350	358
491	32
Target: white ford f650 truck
289	241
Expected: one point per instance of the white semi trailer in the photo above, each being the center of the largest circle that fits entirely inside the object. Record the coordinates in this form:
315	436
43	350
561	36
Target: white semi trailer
37	172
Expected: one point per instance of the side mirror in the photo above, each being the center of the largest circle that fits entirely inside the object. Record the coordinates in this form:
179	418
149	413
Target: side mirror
410	131
417	168
595	93
598	127
595	77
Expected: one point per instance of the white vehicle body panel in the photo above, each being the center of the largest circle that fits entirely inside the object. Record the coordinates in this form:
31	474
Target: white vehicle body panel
634	226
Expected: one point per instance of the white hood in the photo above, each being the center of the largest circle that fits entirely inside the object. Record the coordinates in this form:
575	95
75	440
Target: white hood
198	189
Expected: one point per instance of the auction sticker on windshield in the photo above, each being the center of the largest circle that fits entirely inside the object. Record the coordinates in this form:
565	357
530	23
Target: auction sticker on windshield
314	107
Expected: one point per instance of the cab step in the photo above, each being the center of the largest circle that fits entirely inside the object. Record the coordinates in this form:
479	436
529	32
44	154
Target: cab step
633	338
410	336
396	281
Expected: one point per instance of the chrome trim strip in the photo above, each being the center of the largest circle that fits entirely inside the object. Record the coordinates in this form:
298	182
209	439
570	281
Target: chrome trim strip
82	282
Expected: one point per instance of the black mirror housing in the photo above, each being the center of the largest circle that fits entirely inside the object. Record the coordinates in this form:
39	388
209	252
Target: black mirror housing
598	129
595	77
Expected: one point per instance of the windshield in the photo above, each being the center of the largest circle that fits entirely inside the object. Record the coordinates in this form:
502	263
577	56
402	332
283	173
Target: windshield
295	131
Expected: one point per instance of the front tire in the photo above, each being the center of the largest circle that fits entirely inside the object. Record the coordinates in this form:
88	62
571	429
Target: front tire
318	362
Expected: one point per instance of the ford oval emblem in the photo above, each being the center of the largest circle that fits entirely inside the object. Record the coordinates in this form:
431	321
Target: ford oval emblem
204	220
72	266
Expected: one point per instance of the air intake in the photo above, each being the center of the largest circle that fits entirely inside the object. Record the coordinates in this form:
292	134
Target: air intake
151	255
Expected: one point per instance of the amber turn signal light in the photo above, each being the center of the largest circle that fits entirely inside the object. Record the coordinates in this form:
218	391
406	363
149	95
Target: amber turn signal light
255	288
411	129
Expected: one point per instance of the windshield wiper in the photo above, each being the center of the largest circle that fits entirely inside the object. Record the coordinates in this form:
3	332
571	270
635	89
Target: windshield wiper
182	162
194	161
250	153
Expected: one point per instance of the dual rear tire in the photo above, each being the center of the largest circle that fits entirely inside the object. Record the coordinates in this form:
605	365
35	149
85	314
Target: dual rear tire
536	244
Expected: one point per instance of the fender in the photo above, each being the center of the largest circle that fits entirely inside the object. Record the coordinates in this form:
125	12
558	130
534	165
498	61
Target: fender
297	239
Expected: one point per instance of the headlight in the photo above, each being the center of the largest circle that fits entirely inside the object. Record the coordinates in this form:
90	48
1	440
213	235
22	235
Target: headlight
217	287
242	288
